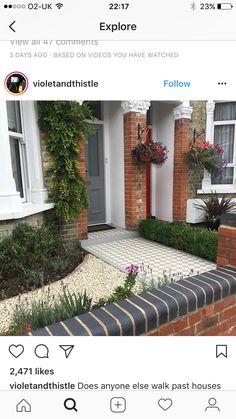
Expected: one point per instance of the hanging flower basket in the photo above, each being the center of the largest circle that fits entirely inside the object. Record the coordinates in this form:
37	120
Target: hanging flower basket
206	155
150	152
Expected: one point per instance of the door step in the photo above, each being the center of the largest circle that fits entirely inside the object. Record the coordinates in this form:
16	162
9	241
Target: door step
99	227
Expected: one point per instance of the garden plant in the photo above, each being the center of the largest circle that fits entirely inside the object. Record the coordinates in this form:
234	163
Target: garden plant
214	206
203	154
198	242
151	152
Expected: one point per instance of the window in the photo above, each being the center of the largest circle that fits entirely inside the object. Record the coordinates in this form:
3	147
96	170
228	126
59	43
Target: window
18	148
96	108
224	135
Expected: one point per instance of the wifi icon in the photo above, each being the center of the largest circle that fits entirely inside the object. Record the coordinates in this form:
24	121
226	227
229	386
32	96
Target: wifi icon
59	5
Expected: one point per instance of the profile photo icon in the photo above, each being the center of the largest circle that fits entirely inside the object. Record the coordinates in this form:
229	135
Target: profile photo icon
16	83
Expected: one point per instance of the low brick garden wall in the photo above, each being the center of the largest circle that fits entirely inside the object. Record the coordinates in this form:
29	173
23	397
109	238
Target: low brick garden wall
215	319
203	305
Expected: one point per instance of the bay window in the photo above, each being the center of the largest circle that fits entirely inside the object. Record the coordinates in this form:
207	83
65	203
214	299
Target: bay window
18	148
224	134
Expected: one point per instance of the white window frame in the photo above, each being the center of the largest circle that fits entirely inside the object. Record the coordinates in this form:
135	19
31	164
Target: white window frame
21	137
227	122
207	186
11	205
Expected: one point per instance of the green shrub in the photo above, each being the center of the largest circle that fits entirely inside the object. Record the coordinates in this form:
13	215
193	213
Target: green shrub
35	278
124	291
28	249
43	313
198	242
66	127
59	265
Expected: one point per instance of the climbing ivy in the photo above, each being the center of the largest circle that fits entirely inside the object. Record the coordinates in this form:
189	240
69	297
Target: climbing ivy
65	127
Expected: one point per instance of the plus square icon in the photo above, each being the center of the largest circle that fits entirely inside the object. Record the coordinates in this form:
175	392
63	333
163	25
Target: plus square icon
118	405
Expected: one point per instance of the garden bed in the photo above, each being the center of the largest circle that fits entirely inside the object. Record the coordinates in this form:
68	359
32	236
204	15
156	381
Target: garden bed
34	257
95	277
11	287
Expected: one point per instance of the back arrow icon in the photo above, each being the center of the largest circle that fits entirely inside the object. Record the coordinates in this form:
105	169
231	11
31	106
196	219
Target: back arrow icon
10	26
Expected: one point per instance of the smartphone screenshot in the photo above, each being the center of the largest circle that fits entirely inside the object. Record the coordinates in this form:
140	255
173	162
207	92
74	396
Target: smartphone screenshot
117	209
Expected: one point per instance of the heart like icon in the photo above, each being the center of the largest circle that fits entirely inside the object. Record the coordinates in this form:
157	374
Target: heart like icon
165	404
16	350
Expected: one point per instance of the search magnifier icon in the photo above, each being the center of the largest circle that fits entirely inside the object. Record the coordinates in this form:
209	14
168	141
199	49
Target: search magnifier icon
70	404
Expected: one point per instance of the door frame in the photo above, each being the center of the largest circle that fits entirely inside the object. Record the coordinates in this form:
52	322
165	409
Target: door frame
100	123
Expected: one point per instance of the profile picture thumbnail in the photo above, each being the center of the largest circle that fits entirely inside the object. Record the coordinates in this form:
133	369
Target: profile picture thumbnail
16	83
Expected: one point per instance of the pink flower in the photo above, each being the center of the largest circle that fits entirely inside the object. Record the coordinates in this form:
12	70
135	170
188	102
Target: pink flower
132	269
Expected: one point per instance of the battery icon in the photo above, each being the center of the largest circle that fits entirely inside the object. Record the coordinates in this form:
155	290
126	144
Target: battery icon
224	6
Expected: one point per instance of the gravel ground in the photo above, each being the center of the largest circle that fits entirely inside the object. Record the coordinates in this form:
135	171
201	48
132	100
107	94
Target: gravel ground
97	277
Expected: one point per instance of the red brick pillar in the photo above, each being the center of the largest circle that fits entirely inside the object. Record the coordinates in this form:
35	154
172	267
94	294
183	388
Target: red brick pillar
182	116
82	221
75	230
226	254
135	174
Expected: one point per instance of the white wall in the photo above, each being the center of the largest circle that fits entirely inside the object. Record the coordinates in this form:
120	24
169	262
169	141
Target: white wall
162	177
194	215
114	163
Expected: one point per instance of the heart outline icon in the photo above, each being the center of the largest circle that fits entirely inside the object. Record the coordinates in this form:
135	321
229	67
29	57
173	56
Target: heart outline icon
16	350
165	404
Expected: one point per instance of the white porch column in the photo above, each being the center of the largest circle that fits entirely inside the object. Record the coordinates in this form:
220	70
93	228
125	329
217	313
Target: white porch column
183	111
38	193
140	106
210	107
9	197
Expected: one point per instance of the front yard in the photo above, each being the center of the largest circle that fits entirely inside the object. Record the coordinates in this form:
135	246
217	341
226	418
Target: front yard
43	282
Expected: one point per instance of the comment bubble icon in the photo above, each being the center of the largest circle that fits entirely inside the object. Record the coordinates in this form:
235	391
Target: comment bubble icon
41	351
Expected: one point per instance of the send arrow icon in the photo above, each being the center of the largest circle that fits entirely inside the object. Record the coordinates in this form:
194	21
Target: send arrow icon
67	349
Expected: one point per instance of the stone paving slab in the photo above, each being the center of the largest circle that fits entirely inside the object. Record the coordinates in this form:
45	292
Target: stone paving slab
123	248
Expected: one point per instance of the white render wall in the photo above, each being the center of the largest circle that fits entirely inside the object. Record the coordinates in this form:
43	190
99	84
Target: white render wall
162	177
114	163
11	205
9	198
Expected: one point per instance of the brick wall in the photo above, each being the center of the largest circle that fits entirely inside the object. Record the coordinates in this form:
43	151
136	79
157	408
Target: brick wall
217	319
226	246
198	122
135	174
180	177
35	220
77	229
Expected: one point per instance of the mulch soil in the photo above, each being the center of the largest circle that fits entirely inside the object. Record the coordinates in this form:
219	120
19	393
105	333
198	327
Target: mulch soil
11	287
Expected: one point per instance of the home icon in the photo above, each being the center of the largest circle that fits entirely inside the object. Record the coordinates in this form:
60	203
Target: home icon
23	407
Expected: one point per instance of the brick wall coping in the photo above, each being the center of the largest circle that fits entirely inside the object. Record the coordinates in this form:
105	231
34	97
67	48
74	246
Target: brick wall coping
228	219
144	313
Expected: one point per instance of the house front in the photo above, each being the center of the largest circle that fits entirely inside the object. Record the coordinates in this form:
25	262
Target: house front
121	192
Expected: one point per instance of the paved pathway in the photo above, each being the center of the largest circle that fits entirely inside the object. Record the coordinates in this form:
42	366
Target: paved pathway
121	248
